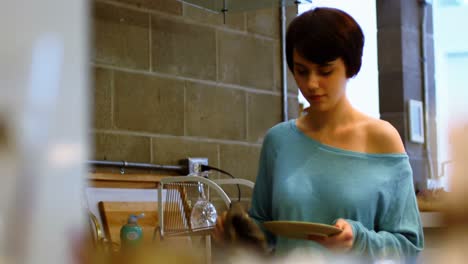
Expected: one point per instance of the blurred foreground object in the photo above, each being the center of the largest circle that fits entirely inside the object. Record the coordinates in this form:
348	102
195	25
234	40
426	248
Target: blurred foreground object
458	203
240	231
455	240
44	120
165	252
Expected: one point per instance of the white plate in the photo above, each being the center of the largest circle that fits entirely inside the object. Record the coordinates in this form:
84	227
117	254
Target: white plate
300	230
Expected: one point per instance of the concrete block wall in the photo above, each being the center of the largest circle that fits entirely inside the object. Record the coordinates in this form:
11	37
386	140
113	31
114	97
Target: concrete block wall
401	75
172	80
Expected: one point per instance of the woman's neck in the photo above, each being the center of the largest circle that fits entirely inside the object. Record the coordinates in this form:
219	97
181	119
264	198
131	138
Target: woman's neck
341	115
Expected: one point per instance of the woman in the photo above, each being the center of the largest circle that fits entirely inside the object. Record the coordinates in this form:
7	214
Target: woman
335	165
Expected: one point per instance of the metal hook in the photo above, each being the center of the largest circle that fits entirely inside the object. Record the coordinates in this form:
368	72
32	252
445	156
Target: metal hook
122	169
224	10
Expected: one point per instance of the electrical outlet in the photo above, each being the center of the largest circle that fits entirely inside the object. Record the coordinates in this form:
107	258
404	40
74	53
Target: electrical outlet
194	164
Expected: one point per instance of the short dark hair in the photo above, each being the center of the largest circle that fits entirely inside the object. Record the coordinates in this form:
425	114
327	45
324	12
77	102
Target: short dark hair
325	34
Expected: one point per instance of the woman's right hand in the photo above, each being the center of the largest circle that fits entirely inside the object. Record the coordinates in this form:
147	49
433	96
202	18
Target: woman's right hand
218	234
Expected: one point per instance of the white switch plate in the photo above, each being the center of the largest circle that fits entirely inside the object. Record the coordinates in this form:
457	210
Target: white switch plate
416	121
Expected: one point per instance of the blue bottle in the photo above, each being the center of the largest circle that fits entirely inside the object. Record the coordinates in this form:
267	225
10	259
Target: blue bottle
131	234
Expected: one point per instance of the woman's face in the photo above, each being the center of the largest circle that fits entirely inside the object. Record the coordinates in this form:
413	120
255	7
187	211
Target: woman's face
322	85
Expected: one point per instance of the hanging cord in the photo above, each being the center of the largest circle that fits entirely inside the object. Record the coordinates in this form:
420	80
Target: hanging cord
208	168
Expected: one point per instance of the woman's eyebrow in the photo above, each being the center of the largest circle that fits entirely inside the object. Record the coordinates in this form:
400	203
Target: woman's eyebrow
326	64
299	64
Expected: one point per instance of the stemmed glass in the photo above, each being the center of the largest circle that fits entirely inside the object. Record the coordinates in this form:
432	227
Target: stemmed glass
203	213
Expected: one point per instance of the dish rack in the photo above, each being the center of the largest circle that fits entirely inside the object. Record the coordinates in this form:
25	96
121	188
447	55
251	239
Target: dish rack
177	196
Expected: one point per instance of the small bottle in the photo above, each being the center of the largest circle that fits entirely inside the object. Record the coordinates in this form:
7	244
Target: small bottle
131	234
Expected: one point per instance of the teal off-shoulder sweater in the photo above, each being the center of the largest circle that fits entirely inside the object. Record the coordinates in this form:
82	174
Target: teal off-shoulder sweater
301	179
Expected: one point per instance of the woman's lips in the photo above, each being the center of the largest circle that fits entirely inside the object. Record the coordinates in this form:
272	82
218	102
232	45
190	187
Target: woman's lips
316	97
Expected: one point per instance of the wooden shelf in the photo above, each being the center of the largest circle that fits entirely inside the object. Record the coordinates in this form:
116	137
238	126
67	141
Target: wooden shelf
127	180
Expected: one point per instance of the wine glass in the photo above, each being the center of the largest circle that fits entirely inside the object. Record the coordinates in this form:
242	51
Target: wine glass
203	213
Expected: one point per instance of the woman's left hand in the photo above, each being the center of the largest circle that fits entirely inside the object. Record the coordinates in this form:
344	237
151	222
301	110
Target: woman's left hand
341	242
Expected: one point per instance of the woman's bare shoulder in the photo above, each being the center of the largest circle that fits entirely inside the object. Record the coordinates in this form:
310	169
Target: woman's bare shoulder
382	137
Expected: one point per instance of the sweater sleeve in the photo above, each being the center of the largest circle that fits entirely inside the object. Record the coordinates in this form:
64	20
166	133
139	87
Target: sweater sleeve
261	207
399	231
